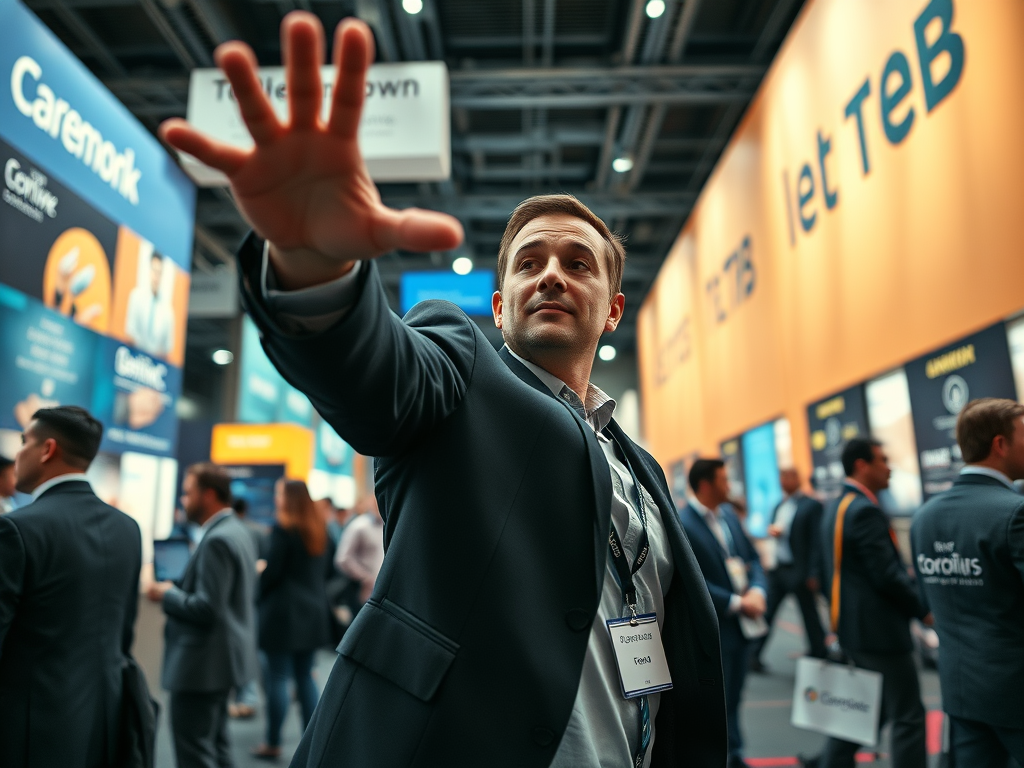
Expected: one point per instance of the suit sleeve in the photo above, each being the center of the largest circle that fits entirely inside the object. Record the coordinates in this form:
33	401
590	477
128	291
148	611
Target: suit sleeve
214	579
12	575
1015	536
755	571
132	605
379	380
277	559
869	532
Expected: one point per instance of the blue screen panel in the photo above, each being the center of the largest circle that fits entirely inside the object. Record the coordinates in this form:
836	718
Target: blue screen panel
761	470
472	293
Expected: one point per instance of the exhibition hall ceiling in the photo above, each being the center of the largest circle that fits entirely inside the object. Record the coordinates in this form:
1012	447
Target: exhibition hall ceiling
625	103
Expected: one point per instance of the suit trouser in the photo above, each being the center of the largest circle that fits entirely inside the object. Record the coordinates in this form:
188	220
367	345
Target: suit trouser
784	581
735	662
199	724
901	706
980	745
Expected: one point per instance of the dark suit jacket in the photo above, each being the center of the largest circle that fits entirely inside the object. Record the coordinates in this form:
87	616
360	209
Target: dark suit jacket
69	591
977	597
877	596
210	635
293	611
711	558
496	498
805	537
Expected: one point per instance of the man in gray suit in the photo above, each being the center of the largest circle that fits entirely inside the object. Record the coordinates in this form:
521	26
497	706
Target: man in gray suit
209	639
969	553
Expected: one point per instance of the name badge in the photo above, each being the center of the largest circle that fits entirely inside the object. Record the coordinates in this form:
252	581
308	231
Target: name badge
737	569
643	668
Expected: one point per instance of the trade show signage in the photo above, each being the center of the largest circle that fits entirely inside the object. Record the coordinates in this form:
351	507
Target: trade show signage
833	422
941	384
405	133
56	111
263	394
287	444
761	472
472	292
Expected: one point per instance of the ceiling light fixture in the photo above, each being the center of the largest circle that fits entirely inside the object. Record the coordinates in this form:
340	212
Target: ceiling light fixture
223	357
606	352
415	6
655	8
462	265
622	164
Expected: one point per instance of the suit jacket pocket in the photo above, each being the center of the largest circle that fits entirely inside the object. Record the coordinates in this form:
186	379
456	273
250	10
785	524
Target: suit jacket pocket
400	647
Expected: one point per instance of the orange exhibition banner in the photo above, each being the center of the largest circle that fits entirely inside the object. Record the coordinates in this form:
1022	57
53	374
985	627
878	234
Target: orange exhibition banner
867	209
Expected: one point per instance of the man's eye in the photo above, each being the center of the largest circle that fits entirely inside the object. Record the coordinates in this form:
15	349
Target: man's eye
580	265
526	264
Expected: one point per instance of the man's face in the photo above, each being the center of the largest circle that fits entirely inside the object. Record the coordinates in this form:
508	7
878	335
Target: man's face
789	479
557	288
156	271
1015	452
718	488
192	499
877	471
7	480
29	462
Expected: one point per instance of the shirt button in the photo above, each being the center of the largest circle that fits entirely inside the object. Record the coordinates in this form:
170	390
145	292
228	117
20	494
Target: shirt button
543	736
577	619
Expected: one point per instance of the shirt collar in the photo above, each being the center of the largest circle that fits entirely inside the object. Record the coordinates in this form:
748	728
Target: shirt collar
598	405
974	469
70	477
702	510
862	488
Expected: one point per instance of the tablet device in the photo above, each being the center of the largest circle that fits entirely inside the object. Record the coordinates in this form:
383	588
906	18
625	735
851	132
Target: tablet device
170	556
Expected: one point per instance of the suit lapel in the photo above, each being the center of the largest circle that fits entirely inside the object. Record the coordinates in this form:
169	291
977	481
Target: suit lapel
600	473
191	565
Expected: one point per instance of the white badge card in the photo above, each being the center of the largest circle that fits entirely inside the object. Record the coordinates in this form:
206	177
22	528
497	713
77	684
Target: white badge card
737	569
640	655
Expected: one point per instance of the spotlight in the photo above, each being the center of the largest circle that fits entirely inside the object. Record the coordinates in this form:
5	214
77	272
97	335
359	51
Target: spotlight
415	6
606	352
622	164
223	357
655	8
462	265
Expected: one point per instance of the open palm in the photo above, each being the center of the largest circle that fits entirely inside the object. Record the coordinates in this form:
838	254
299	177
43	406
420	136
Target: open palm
304	186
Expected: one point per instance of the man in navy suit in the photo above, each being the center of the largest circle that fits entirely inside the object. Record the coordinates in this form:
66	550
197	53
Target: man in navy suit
969	554
519	519
735	579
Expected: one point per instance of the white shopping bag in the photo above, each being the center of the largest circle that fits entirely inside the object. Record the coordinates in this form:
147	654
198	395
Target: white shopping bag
837	700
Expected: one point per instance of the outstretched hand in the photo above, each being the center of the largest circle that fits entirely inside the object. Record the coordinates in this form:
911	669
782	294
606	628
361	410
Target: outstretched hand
303	185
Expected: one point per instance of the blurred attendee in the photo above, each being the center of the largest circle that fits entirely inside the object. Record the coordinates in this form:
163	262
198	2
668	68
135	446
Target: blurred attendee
246	695
873	600
8	482
337	518
209	638
735	579
69	591
796	528
361	550
969	548
293	607
150	319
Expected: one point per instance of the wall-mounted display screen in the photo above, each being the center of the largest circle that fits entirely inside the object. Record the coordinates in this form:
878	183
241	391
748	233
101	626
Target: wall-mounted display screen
833	422
472	292
761	473
941	384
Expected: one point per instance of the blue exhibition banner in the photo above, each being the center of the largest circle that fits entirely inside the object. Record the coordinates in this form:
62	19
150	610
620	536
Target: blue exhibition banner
471	293
264	397
59	114
761	470
333	454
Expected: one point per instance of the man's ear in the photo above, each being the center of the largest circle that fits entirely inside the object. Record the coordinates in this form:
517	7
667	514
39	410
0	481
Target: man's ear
496	308
50	448
615	311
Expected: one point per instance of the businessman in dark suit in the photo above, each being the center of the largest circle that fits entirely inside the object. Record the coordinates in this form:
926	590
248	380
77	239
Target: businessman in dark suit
873	599
69	591
210	635
501	477
969	554
796	528
735	579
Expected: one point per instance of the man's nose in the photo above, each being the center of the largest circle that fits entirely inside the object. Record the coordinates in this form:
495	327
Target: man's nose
552	277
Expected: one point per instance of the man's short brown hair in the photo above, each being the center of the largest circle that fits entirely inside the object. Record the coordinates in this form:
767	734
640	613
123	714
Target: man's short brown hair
544	205
210	476
981	421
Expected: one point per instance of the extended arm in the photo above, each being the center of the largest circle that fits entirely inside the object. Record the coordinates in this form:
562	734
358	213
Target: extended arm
214	579
12	575
869	534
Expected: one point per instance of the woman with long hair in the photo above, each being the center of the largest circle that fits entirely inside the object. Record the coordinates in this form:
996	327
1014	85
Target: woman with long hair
293	612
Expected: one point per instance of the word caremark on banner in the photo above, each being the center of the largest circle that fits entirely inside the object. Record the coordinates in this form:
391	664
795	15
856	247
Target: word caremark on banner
405	133
837	700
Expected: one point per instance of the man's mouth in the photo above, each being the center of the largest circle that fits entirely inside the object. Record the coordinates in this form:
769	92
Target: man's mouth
550	306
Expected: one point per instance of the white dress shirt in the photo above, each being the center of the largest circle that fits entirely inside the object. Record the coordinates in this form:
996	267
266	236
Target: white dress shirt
974	469
44	487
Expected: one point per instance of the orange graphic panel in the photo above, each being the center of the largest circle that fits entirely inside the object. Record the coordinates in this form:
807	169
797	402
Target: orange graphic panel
76	280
